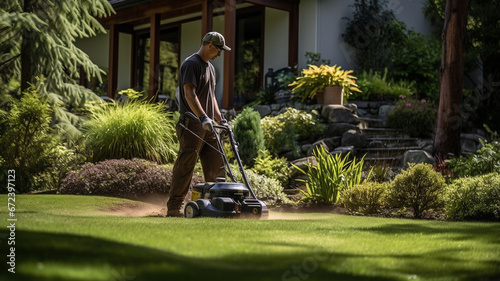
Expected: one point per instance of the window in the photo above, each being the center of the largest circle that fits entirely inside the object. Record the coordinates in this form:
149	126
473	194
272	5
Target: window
169	62
248	56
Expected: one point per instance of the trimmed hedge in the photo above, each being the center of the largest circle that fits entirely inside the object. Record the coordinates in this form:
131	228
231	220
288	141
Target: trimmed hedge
123	178
474	198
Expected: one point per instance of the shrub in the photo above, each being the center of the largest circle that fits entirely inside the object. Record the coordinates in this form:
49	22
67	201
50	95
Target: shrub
248	133
269	166
135	128
418	58
373	33
118	178
330	176
474	198
375	86
485	160
417	118
367	198
287	129
418	187
29	145
266	189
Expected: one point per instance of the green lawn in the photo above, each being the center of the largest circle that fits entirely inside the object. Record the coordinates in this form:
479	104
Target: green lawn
61	237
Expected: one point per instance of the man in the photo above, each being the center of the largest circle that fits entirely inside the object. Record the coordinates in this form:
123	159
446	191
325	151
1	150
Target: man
197	96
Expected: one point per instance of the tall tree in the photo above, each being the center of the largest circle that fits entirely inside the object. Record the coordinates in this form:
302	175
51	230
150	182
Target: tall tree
37	42
447	139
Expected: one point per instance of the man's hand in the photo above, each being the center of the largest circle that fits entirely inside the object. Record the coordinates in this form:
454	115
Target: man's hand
207	123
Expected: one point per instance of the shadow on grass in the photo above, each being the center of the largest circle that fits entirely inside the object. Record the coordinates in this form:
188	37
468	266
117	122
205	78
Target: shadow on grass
483	232
57	257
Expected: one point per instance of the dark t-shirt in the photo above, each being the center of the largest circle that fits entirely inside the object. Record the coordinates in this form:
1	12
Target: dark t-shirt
201	74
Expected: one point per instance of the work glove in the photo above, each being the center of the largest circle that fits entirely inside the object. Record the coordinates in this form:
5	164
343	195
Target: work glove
207	123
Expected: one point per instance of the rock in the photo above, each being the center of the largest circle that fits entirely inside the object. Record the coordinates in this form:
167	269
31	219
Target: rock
263	110
469	143
328	144
301	163
353	138
383	110
343	150
338	129
352	106
417	156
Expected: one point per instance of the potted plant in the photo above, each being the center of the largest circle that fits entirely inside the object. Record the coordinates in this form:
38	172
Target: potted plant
330	84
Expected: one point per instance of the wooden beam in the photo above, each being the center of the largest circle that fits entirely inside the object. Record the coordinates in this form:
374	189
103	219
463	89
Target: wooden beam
229	57
113	60
145	10
293	36
154	57
286	5
207	17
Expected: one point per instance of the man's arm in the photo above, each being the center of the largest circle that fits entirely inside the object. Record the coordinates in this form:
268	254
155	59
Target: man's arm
192	99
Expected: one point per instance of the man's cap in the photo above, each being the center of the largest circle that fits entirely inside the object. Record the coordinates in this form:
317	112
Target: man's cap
217	39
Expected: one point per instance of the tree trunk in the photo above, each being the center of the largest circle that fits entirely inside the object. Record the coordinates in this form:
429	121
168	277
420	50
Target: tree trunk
447	139
26	49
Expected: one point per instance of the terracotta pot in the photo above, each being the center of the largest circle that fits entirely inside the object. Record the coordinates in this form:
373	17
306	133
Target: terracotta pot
331	95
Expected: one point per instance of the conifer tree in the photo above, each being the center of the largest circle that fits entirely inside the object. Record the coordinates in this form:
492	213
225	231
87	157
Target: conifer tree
37	43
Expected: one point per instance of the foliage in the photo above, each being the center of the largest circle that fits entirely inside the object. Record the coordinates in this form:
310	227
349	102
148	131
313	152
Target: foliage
266	188
331	176
418	187
316	78
38	40
269	166
314	58
474	198
29	145
375	86
367	198
485	160
130	179
381	172
417	118
373	33
247	74
287	129
418	59
134	129
249	135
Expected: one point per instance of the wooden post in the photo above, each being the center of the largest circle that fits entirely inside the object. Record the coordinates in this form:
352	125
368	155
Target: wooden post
113	60
229	57
207	17
293	37
154	57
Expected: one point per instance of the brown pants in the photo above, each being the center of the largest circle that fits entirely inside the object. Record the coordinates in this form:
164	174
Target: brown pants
192	147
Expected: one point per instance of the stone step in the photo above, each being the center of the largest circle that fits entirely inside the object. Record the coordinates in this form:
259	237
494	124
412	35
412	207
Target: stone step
384	133
386	151
366	123
383	161
389	142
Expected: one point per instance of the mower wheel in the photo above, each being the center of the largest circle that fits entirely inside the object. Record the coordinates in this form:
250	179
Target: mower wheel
191	210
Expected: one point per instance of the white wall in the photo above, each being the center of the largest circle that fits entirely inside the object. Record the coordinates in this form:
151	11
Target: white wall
327	26
275	39
124	61
97	48
308	29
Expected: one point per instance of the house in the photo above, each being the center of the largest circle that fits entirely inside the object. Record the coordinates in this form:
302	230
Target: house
147	40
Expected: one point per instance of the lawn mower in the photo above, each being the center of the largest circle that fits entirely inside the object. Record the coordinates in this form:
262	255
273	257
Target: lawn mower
221	198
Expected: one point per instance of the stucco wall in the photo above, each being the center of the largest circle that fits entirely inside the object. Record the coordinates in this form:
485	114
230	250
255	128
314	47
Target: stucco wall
330	26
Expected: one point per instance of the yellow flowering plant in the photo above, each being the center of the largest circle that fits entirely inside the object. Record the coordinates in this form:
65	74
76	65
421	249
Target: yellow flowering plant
316	78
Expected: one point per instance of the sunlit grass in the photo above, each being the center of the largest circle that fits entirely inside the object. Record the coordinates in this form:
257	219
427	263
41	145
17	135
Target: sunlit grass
61	237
